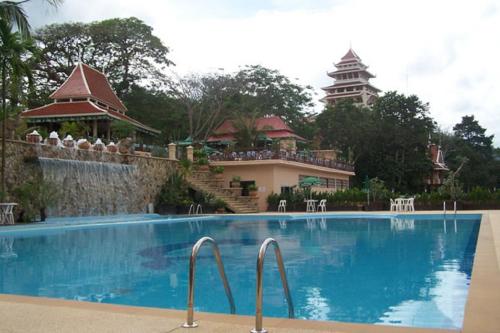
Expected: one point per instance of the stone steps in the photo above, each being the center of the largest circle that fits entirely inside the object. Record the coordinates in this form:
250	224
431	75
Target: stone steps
201	181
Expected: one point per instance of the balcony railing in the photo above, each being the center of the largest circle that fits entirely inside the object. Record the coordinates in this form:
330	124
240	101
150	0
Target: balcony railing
254	155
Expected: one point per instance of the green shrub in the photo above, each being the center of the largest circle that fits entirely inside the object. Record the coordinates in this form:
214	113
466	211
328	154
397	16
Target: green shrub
217	169
479	194
35	197
174	192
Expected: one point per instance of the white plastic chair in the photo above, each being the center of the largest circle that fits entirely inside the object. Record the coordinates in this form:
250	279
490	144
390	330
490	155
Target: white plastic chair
282	206
322	205
9	215
394	205
310	206
410	207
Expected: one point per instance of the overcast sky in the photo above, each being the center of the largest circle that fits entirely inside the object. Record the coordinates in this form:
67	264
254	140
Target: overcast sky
445	51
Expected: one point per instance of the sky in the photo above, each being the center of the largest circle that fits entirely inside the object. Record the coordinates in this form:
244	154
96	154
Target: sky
446	52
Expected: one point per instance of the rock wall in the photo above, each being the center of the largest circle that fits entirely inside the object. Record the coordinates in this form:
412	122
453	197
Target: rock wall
90	182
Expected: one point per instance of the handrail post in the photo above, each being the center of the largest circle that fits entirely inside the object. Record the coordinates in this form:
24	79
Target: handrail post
260	270
192	265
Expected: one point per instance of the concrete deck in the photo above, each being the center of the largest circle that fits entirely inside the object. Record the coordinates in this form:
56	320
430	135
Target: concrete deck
34	314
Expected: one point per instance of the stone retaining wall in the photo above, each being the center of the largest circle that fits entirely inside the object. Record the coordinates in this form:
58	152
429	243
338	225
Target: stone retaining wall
149	174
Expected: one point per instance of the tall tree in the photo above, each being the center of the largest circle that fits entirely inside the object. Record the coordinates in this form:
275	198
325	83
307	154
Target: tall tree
205	101
472	143
159	110
13	67
268	92
124	48
344	127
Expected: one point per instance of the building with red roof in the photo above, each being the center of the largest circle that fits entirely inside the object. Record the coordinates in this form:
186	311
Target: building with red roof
271	128
351	81
85	96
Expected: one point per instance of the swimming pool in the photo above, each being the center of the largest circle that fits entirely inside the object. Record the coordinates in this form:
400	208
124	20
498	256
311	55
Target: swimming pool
397	270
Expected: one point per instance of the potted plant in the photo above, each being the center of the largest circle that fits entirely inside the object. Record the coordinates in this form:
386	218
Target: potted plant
217	171
220	206
202	164
252	190
235	182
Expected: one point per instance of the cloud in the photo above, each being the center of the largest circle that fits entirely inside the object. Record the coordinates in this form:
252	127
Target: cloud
442	51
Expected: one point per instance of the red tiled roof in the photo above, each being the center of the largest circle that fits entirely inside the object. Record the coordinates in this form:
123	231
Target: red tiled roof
265	124
274	127
85	81
64	110
80	109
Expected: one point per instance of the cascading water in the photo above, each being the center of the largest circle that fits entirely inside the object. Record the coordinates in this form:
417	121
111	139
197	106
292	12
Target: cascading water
90	188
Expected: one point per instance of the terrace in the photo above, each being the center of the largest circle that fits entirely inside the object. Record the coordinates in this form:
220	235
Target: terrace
300	157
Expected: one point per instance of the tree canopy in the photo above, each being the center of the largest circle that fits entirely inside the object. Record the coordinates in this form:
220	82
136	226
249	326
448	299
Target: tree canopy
124	48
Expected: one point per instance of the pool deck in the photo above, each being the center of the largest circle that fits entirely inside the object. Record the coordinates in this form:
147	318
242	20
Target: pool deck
36	314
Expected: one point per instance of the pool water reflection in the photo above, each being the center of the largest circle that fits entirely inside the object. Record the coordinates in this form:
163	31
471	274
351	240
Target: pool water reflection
399	271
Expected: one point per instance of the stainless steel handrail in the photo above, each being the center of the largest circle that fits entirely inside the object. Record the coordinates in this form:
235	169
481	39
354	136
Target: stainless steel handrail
192	264
260	270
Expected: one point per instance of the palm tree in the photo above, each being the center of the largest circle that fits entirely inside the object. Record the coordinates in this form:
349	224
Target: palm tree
13	13
13	65
13	46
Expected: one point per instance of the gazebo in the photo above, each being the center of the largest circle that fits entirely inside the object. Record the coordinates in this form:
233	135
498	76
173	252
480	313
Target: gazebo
86	96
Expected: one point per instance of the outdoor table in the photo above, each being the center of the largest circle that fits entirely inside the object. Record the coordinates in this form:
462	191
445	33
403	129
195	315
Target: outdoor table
6	212
310	205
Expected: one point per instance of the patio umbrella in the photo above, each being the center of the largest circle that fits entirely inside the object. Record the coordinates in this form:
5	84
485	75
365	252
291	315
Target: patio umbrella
209	150
308	182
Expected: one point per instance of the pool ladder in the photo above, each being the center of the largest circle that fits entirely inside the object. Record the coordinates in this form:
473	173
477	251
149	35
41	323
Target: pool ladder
259	290
192	265
195	210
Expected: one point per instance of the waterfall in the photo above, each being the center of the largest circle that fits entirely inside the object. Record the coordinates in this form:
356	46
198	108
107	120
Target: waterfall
89	188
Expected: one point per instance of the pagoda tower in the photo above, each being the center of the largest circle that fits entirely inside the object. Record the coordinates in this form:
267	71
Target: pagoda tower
351	81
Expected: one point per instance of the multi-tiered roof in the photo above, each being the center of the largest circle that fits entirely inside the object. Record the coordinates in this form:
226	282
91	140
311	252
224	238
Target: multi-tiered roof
85	95
351	81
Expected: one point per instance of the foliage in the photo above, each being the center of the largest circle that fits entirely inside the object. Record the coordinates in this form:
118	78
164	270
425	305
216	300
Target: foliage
174	192
13	13
204	101
295	199
246	135
185	167
236	178
121	129
219	204
451	188
267	92
389	141
34	197
202	161
75	129
378	191
252	188
124	48
344	127
470	142
158	110
217	169
16	54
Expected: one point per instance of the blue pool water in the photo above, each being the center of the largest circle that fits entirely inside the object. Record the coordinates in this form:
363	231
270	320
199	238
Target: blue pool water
411	271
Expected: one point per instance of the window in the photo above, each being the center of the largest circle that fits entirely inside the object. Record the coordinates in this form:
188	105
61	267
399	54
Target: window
286	189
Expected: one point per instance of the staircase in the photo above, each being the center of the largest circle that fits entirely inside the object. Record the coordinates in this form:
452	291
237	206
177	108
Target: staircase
203	181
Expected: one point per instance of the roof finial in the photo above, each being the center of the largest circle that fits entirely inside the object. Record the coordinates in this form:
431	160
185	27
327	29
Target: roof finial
350	45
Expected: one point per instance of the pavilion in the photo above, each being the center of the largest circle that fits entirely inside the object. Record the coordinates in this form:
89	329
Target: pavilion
271	128
86	96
